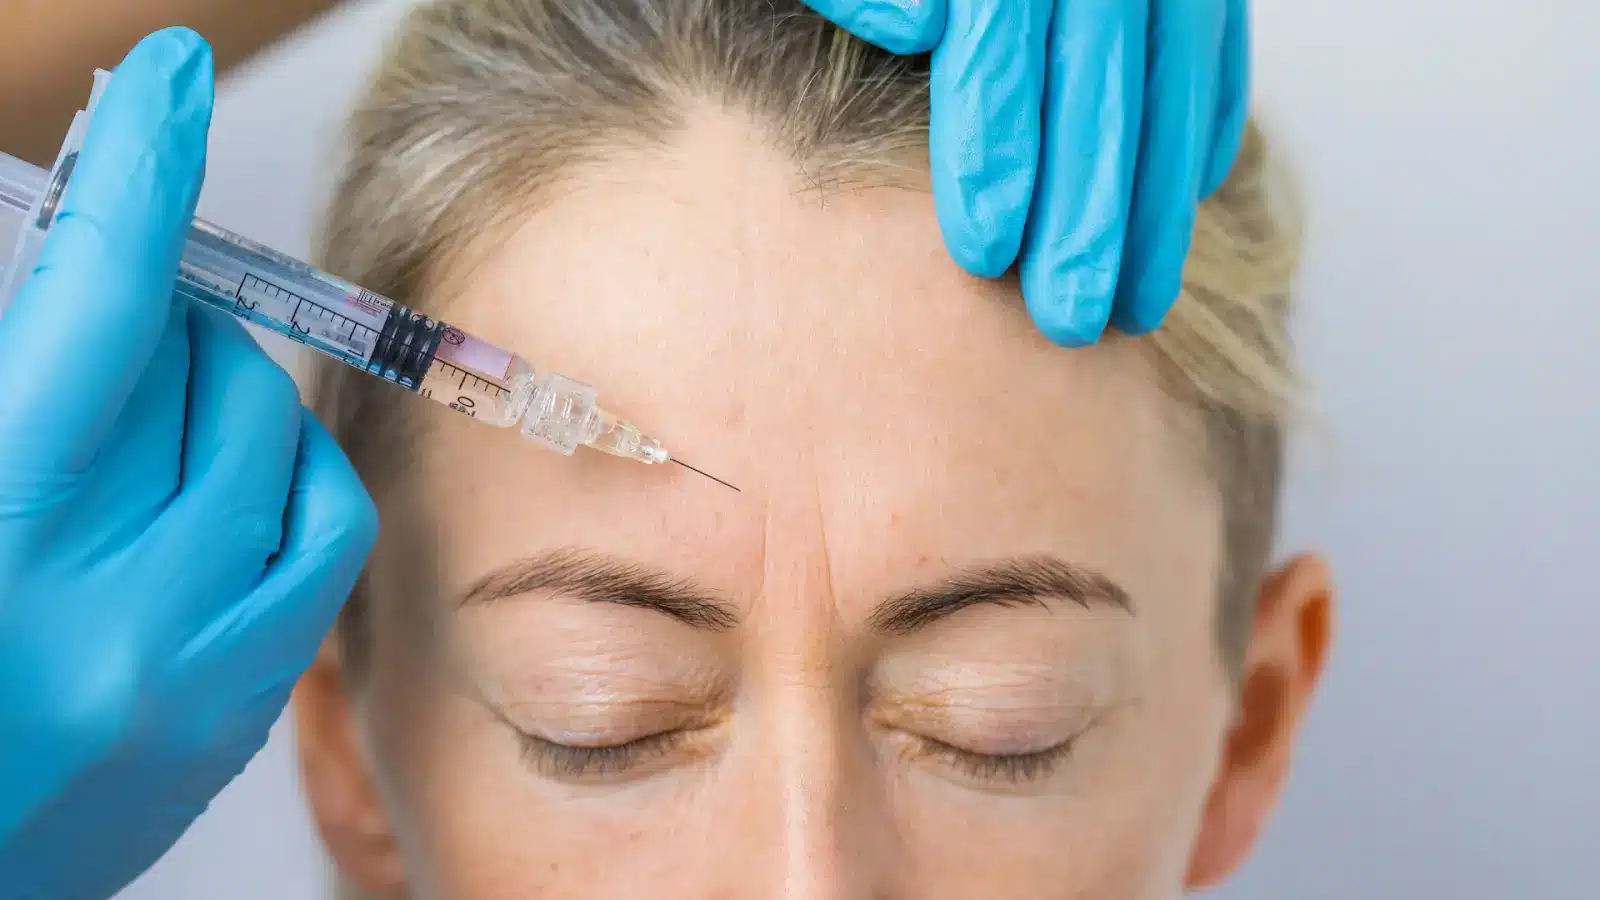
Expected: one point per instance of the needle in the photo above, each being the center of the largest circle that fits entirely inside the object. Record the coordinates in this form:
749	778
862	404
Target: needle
706	474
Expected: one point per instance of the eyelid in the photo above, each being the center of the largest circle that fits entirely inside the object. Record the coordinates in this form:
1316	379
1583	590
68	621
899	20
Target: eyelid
1016	769
1000	732
943	680
1009	770
598	723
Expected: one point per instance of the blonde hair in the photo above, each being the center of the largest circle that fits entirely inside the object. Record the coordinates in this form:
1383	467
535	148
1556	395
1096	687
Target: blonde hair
481	104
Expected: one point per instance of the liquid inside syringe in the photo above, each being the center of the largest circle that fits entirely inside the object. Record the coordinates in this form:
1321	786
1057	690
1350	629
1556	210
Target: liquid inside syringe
390	341
341	320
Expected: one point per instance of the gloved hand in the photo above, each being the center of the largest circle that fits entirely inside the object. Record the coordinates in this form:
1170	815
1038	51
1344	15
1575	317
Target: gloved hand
177	533
1082	132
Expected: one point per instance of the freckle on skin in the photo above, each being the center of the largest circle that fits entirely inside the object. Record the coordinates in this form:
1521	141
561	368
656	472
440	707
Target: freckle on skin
894	519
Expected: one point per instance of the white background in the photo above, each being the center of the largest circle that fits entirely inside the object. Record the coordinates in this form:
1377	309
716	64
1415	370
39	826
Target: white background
1452	328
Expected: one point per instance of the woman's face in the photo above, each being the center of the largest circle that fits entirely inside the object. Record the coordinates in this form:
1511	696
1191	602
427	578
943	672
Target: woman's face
954	637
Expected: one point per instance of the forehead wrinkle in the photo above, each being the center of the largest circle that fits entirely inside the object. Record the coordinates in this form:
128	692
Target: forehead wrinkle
799	565
825	552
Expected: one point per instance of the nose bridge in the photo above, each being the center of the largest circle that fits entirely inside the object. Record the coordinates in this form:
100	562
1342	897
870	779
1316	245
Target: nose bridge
830	812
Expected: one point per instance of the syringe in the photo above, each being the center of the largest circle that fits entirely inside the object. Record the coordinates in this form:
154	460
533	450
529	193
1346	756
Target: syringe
338	319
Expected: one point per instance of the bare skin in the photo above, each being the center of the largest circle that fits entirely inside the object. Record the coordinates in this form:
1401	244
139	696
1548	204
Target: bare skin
50	48
895	425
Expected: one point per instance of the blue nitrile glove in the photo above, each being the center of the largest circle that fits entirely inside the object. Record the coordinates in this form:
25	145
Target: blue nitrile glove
177	532
1082	133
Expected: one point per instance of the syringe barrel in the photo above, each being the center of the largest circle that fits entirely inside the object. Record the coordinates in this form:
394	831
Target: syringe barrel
20	187
278	293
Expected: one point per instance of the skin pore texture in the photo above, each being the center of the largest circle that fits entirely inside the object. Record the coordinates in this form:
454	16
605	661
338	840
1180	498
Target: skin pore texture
1045	717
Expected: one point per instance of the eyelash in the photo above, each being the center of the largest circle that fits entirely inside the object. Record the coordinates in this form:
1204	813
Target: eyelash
1006	768
567	761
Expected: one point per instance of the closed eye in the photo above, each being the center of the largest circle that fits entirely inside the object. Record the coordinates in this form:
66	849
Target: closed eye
572	762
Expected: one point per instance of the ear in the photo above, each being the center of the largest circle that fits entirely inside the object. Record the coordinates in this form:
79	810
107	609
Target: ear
1289	643
339	784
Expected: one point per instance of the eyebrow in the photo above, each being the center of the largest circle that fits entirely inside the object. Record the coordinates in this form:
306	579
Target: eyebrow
598	578
1020	581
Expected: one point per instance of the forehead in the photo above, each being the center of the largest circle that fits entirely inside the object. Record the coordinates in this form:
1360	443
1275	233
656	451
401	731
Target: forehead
821	351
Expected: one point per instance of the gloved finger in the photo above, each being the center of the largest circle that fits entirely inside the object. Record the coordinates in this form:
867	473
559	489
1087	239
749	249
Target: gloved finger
239	449
1233	98
987	83
1093	111
1181	88
78	335
898	26
330	527
136	474
122	491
